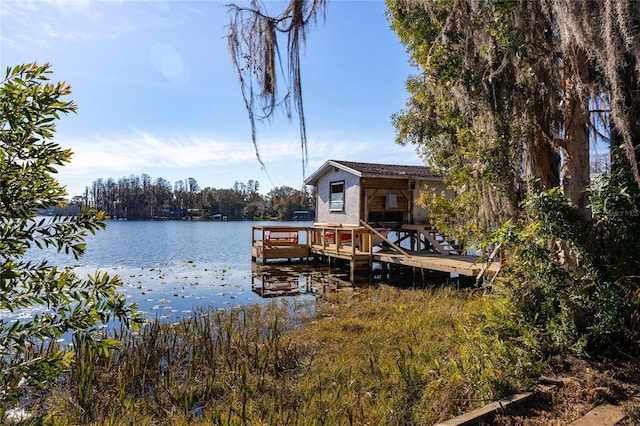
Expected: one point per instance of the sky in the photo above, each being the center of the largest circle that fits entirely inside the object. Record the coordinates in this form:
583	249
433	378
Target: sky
157	93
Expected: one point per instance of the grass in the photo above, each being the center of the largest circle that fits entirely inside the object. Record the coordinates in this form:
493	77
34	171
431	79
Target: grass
376	356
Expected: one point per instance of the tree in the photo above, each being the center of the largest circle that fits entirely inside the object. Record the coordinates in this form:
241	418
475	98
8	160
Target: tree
604	35
485	107
510	93
62	303
284	201
230	203
508	98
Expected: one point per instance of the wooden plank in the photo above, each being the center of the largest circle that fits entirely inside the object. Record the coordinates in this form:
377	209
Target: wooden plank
483	413
382	183
329	250
465	265
442	263
280	252
603	415
359	267
492	256
416	227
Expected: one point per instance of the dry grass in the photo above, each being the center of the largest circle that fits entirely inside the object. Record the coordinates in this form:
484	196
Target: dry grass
379	356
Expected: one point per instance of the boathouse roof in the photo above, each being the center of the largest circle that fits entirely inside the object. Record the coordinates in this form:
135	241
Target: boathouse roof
375	170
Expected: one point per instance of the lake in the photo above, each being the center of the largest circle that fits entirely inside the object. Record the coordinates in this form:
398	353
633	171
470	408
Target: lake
171	268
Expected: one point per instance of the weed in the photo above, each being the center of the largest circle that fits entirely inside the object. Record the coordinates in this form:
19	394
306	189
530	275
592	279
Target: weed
376	356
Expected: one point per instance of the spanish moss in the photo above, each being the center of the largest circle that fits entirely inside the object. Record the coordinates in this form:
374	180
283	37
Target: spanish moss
269	80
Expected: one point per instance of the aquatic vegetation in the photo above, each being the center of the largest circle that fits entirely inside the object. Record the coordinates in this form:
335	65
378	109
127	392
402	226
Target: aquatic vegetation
374	356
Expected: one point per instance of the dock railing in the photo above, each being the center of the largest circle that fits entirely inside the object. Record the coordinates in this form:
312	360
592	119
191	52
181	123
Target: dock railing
342	239
279	242
265	235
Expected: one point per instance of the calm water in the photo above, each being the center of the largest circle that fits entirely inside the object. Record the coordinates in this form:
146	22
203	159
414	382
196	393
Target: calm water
172	268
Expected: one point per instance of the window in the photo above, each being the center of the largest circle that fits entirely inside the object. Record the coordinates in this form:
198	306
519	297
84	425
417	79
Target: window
336	201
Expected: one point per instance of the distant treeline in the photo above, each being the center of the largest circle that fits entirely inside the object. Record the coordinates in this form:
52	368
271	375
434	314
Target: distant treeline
143	198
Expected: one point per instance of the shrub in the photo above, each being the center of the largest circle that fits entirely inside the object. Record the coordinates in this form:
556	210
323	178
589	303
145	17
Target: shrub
556	281
55	302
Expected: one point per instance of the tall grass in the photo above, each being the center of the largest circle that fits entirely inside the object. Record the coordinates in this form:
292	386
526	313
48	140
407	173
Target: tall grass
383	356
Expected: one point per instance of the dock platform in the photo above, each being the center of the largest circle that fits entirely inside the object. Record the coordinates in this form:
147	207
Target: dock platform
416	246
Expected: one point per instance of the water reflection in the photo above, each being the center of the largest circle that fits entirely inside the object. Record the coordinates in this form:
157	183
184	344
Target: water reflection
279	279
292	279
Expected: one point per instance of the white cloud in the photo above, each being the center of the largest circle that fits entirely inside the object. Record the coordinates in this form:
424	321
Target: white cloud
225	160
50	22
360	147
141	150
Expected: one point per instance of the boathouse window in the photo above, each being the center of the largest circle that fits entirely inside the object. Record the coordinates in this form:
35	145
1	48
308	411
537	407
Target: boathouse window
336	201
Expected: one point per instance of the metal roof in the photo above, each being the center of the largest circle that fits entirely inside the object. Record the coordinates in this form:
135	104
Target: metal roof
375	170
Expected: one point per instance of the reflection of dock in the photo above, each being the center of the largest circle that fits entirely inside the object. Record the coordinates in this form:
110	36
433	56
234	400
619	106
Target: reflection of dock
414	246
277	286
272	281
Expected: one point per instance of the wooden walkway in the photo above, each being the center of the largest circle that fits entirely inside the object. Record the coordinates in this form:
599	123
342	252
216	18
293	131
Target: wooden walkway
463	265
362	246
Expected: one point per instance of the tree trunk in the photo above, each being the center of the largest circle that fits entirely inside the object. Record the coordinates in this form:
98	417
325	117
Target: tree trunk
575	168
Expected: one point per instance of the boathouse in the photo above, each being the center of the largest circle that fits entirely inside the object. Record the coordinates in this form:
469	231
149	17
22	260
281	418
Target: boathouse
366	213
379	194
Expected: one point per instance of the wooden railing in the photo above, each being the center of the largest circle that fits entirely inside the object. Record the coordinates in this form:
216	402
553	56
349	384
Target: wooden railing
342	239
276	236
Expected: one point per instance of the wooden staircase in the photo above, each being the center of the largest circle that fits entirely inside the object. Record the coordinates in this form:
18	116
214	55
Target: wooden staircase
430	239
442	243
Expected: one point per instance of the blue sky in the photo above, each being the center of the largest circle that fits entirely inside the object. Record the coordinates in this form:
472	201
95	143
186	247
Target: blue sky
157	94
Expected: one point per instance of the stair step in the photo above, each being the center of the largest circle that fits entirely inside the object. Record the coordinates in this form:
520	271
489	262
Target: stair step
441	242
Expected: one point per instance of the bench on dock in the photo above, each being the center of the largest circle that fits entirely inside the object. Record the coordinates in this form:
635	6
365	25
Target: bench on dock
281	237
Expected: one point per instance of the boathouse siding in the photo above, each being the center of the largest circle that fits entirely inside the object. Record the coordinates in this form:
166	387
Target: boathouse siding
435	186
350	213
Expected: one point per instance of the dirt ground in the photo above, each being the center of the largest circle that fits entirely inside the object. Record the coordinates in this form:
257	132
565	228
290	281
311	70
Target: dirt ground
581	385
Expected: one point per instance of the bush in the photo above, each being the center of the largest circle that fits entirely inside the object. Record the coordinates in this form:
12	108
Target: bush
556	280
615	199
55	302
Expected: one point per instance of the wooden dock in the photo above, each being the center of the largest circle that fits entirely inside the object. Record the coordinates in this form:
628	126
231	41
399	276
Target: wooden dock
416	246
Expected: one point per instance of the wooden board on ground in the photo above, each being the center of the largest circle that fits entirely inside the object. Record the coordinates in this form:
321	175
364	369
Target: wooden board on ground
603	415
476	416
